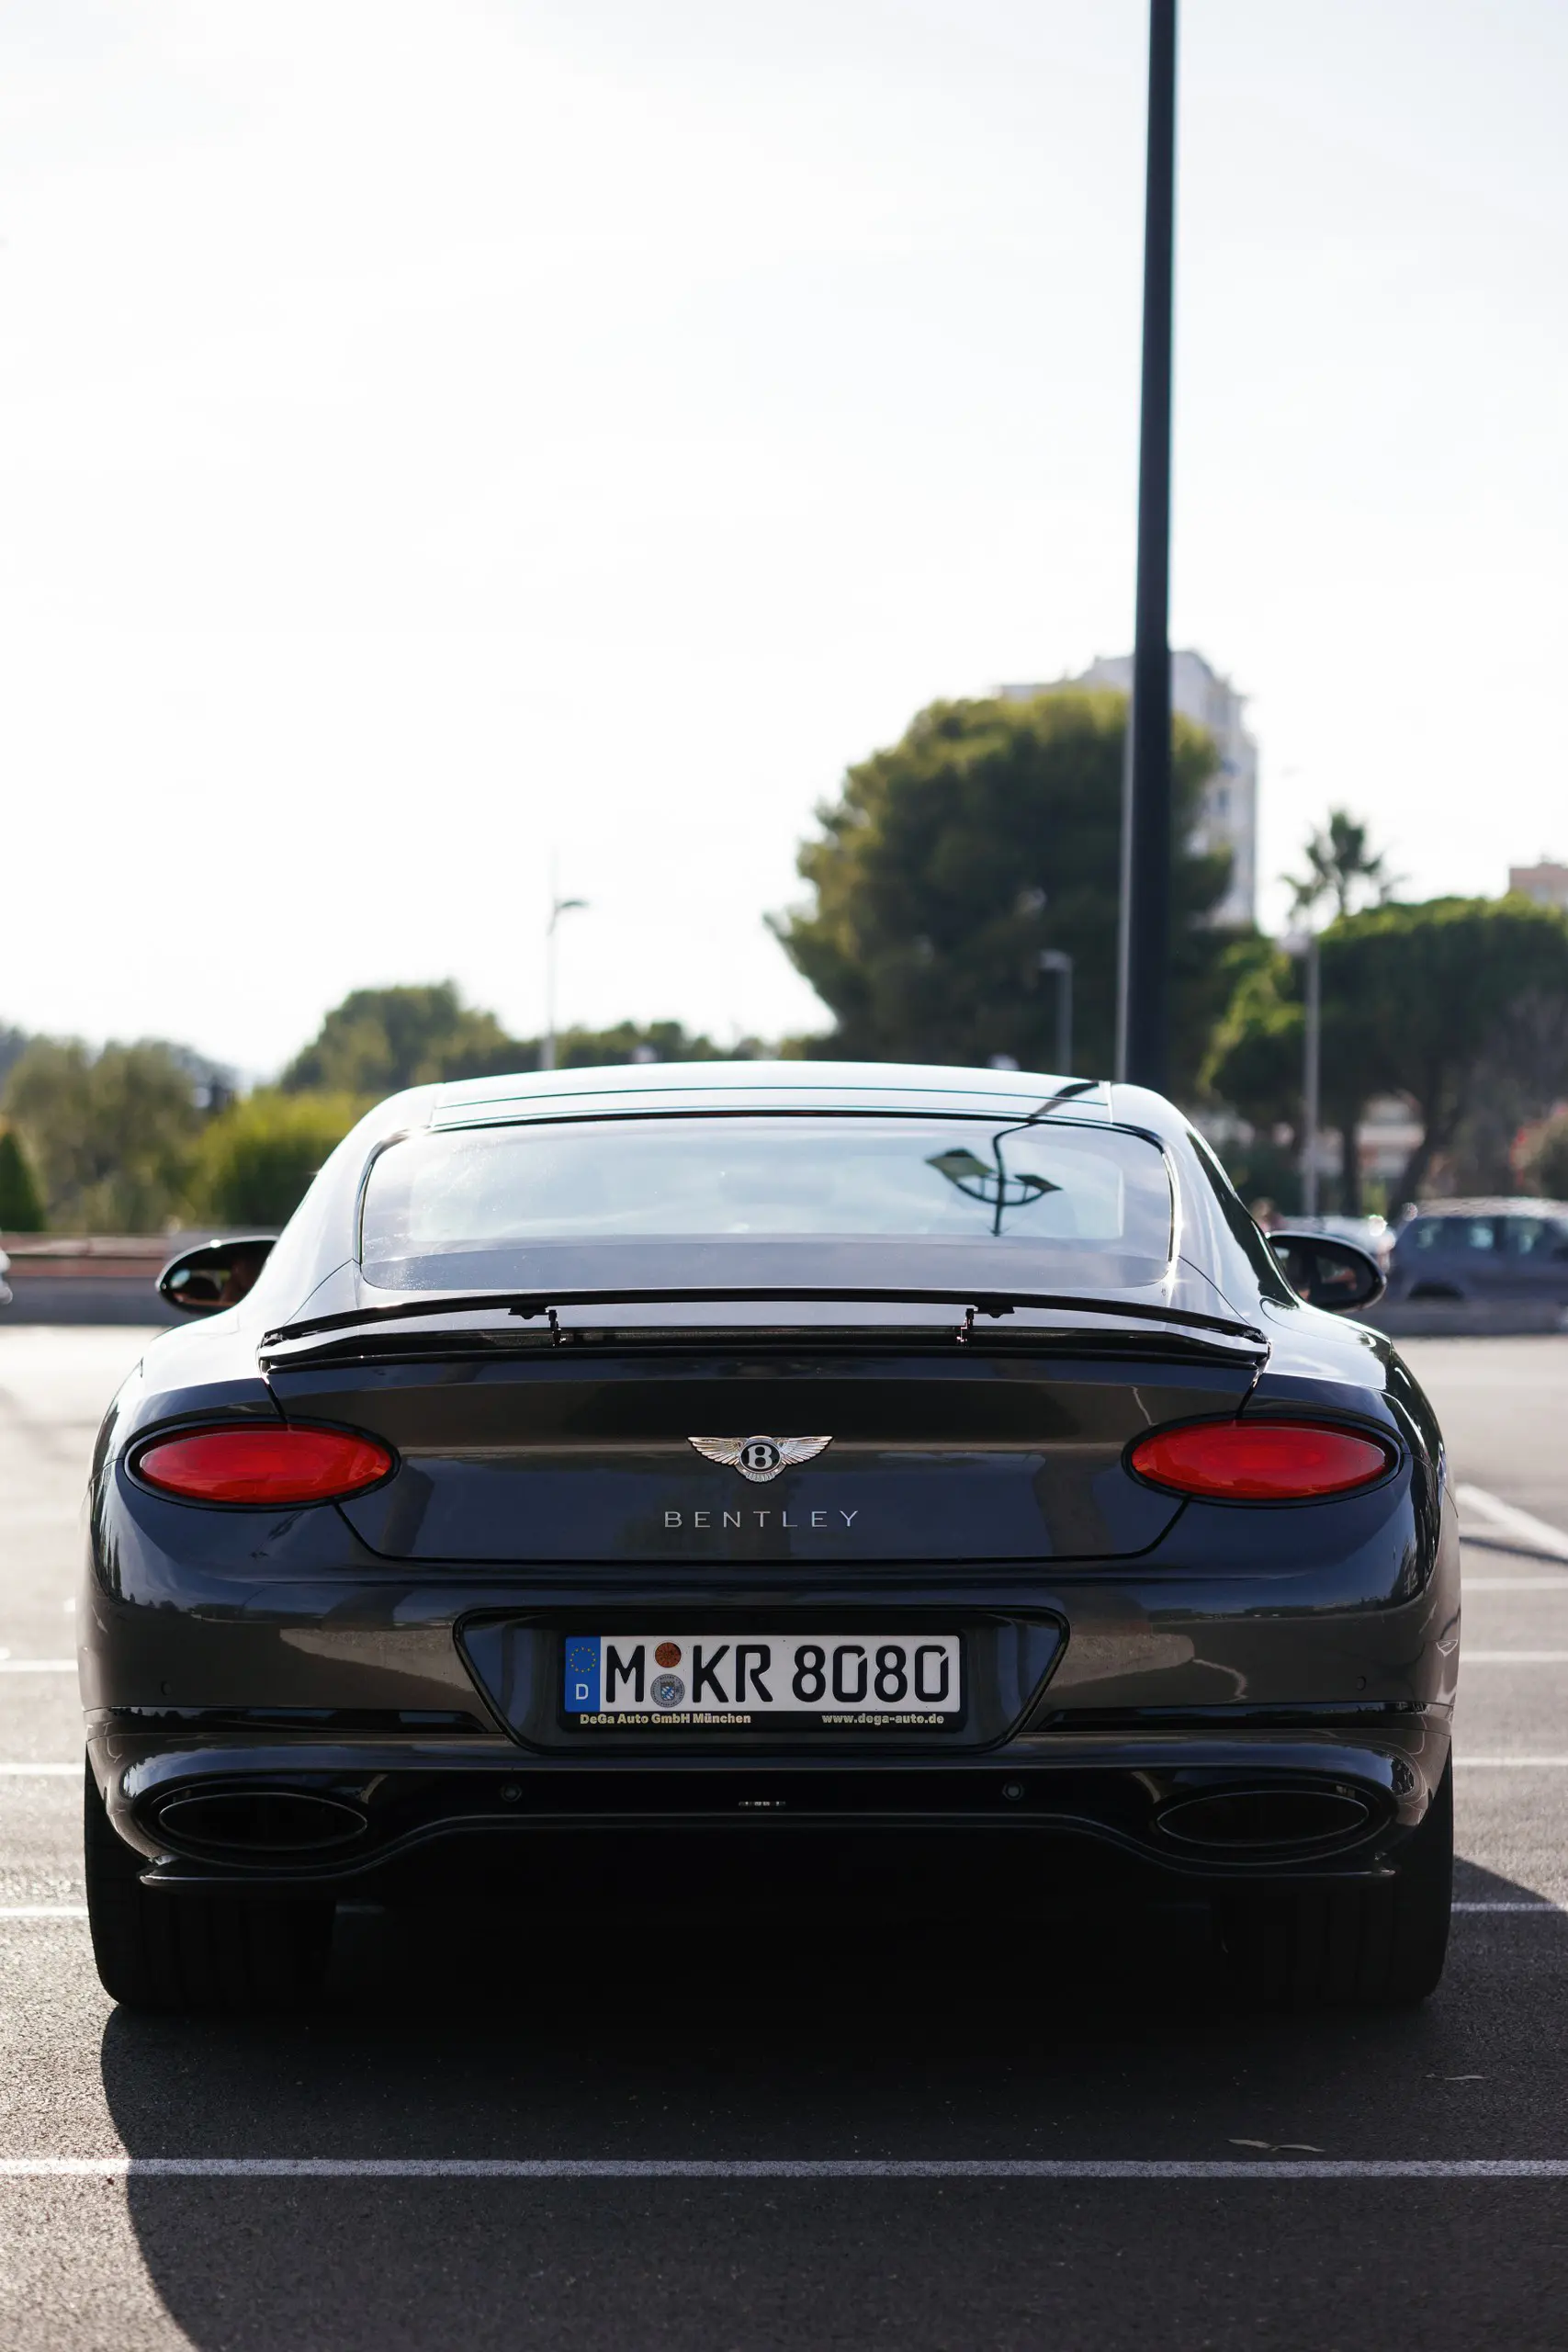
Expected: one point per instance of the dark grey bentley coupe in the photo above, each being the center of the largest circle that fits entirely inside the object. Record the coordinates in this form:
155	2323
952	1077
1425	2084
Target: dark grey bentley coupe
722	1476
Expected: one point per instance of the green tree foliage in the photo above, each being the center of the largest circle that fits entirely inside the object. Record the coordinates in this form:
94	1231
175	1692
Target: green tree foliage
112	1134
379	1040
257	1157
1341	865
1257	1043
137	1136
14	1044
990	831
1257	1049
630	1041
1427	1000
1441	983
1522	1073
21	1203
1543	1162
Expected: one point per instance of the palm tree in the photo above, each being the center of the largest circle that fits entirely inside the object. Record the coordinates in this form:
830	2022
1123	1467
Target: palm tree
1339	861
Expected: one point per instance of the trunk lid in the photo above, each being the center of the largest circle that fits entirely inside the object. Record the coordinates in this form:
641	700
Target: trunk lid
565	1454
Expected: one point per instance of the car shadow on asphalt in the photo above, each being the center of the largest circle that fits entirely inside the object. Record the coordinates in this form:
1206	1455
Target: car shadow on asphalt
664	2032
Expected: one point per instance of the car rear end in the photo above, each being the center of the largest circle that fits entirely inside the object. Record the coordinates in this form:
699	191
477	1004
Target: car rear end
771	1553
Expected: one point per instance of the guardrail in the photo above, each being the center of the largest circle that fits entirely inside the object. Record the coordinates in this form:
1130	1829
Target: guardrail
88	1277
1454	1318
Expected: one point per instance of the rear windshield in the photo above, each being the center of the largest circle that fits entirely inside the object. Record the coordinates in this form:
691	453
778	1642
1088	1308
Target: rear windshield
481	1207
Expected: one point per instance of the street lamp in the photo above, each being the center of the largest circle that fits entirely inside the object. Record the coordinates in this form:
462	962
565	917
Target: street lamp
558	907
1304	944
1057	959
1142	1012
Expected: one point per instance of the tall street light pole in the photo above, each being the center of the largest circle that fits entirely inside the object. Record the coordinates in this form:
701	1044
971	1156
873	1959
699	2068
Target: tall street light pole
558	907
1056	960
1143	1006
1312	1075
1304	944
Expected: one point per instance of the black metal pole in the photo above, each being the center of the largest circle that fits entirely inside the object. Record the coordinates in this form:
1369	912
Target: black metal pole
1144	1025
1056	960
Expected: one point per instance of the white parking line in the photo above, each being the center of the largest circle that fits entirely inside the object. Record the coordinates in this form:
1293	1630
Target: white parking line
1512	1584
1514	1657
1541	1909
40	1771
781	2168
43	1910
37	1666
1533	1532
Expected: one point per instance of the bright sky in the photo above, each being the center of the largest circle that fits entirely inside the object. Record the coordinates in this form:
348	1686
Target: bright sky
432	435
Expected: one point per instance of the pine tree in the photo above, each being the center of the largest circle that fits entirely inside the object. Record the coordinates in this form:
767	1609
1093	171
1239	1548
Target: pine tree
21	1207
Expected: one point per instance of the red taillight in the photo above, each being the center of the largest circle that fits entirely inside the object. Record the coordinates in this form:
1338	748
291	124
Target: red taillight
245	1464
1260	1460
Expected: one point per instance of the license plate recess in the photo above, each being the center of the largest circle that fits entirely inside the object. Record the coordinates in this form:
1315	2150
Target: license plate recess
517	1659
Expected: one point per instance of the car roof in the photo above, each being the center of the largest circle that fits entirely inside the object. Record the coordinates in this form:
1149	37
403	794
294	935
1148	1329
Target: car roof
1497	1204
635	1088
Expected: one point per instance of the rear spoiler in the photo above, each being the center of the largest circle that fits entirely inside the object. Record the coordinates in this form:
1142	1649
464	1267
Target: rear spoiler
968	1304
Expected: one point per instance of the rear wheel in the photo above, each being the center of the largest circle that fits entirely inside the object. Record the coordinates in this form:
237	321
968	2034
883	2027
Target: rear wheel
179	1948
1380	1942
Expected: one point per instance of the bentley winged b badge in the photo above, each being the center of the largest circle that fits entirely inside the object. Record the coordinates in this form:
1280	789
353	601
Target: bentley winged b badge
759	1458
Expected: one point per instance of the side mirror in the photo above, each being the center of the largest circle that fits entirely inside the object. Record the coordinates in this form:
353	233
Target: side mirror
1328	1272
217	1274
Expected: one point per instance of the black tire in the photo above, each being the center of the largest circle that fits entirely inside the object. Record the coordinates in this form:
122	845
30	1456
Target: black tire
177	1948
1380	1942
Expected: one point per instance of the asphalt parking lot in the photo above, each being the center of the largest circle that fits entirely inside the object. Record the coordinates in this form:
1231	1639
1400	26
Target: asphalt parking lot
508	2129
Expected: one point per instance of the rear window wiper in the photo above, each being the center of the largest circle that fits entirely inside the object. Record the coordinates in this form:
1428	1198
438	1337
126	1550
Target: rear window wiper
528	1305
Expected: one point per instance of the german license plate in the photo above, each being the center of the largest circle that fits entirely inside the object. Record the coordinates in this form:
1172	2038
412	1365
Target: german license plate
780	1681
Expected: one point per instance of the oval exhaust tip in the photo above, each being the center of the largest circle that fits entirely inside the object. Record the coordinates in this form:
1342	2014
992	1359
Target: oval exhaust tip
261	1820
1242	1821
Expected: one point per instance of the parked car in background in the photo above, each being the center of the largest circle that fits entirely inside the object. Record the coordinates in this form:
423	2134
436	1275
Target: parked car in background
1487	1252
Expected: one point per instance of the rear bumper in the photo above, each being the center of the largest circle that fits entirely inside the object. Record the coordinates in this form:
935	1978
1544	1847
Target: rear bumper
1308	1654
1207	1802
